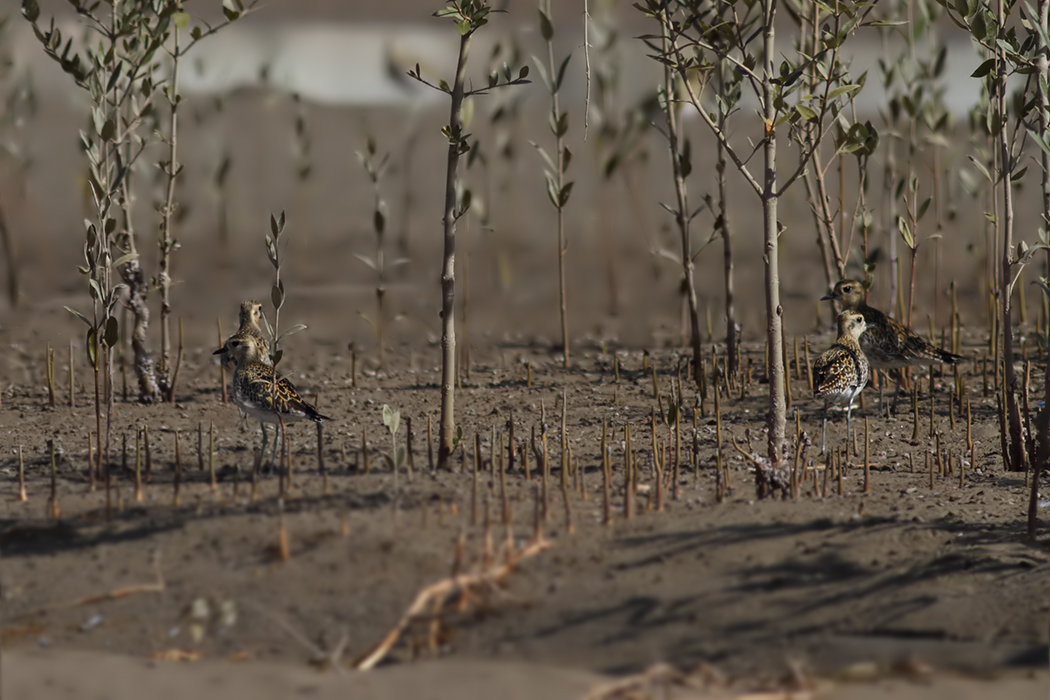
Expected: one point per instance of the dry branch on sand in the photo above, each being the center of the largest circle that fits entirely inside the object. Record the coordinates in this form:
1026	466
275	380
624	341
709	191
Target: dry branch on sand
156	586
490	576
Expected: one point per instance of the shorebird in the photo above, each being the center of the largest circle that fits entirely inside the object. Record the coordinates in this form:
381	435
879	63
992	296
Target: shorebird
888	344
250	318
261	393
841	371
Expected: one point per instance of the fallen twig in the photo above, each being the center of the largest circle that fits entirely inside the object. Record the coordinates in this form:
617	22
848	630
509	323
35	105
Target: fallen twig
455	587
116	594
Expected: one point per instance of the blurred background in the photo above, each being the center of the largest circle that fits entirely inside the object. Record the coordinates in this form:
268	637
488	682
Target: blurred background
278	105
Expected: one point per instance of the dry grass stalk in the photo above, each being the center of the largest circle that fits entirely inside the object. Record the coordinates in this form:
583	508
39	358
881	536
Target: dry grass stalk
22	496
430	444
629	475
569	527
474	481
49	358
545	467
722	473
148	477
459	587
138	466
211	456
564	443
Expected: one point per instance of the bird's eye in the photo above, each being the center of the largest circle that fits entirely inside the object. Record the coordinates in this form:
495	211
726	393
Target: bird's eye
847	288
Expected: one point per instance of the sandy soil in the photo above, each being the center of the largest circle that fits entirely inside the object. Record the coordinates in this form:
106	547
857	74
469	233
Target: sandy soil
913	574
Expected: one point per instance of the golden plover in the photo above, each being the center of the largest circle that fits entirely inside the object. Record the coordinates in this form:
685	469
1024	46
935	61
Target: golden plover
841	371
261	393
888	344
251	317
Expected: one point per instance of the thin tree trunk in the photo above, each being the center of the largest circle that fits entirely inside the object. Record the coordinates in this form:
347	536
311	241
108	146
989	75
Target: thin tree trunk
448	267
682	204
1017	459
164	273
774	311
732	328
1042	452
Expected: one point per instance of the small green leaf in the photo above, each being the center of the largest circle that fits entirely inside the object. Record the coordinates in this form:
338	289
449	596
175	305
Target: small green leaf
112	335
546	28
983	69
294	329
91	344
277	297
79	315
906	233
31	10
181	19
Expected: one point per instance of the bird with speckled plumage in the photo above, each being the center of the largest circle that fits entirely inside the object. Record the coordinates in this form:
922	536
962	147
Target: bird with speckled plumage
887	343
261	393
251	317
841	371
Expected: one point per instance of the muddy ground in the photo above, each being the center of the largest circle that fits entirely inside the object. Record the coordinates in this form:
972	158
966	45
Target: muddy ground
858	591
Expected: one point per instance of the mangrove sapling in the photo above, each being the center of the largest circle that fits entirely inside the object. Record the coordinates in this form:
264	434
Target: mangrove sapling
1012	53
728	83
822	77
121	72
681	167
1040	133
277	298
469	16
558	190
689	49
377	264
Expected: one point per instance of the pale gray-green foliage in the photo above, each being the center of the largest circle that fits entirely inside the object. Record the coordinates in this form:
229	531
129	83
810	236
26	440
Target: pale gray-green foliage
277	294
122	75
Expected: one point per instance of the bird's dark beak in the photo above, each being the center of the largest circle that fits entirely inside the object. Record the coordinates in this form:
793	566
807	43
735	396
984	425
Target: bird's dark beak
220	350
829	296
